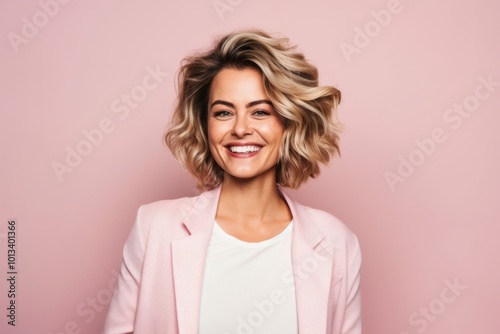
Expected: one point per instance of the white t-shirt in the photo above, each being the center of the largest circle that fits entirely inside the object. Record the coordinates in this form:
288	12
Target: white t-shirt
248	287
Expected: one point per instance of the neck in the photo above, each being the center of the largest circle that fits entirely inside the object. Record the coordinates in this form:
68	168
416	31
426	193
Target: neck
251	201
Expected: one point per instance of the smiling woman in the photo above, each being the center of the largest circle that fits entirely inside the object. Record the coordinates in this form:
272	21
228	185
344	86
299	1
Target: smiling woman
244	131
243	257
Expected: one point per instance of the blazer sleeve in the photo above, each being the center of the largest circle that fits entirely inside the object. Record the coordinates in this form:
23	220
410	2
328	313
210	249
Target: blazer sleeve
352	315
122	310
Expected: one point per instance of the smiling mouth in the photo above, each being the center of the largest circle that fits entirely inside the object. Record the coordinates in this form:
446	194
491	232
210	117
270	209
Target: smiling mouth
244	149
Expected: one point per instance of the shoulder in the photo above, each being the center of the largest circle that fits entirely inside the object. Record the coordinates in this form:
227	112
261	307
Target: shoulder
331	226
178	207
164	216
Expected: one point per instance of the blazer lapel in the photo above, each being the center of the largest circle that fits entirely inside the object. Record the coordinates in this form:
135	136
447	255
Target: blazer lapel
312	265
188	260
311	259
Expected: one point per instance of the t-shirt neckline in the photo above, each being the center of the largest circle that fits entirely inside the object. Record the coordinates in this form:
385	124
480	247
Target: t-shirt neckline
267	242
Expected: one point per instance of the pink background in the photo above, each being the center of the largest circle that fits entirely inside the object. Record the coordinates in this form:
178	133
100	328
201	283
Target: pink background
439	225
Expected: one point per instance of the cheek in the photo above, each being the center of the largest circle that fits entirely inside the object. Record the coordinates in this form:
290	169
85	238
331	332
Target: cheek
217	131
212	133
212	145
273	132
215	135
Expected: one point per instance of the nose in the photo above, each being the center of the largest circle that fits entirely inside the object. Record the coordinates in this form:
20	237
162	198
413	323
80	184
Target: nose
241	126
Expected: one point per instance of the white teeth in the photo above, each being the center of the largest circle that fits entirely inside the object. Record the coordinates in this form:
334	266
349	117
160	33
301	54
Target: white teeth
243	149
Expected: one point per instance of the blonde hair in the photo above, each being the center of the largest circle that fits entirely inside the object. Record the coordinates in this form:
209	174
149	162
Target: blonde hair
308	111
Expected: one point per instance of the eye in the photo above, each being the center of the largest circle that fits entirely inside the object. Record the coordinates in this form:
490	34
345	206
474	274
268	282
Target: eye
261	113
222	114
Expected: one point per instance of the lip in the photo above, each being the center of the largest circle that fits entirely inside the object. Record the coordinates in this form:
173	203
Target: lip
243	155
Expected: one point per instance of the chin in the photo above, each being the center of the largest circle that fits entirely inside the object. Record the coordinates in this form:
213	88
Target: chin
242	176
251	174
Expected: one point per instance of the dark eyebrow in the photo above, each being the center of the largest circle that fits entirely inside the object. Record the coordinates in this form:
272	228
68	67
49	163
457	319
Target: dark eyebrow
229	104
250	104
254	103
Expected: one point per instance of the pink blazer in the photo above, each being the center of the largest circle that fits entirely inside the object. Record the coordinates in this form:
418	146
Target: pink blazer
159	286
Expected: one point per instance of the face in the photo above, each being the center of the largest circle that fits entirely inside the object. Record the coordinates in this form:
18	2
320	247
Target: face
244	131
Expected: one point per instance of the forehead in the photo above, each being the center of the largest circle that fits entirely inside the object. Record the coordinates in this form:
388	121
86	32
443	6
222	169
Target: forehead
236	85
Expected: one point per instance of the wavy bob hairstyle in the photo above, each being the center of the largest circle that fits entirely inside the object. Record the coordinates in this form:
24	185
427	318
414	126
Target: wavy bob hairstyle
308	111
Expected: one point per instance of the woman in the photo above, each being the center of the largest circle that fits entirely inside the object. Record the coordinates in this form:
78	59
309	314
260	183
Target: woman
243	257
